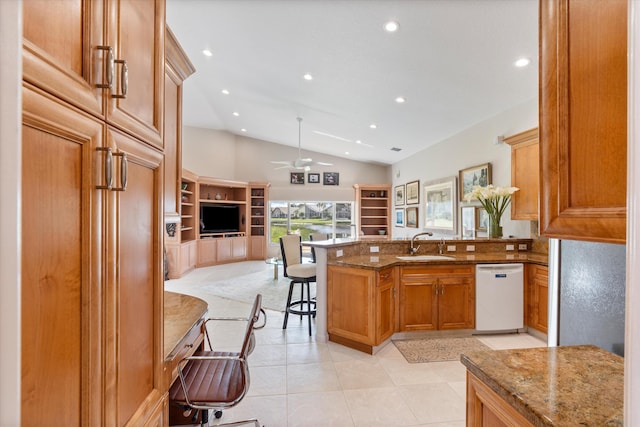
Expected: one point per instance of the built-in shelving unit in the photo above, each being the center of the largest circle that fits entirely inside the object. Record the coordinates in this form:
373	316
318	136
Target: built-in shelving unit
258	217
373	210
188	213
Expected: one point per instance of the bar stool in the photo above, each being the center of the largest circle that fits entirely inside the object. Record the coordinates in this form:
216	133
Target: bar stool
294	269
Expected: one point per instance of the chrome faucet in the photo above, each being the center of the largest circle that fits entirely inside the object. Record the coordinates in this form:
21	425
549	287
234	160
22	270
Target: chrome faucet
441	246
413	249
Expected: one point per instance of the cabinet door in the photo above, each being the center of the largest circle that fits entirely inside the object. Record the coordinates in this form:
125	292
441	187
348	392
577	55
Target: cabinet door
136	101
525	174
60	50
135	292
583	119
456	303
385	305
418	304
540	290
350	294
62	264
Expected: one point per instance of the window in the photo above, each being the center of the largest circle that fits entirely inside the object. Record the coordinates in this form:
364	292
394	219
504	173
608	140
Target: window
334	218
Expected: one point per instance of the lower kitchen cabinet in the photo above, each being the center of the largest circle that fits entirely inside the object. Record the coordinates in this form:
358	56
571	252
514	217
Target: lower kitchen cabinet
537	293
486	409
363	306
437	297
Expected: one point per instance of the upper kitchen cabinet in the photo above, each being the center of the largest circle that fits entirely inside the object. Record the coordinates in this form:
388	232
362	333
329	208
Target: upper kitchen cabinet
525	174
583	119
89	54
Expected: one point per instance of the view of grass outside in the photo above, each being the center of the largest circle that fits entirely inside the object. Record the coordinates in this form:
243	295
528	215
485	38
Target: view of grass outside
333	218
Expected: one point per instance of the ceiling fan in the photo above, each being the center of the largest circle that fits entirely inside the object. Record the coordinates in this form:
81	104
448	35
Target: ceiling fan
299	163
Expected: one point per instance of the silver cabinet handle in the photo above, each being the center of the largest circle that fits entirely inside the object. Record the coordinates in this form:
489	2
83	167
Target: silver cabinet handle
123	172
108	168
124	79
109	67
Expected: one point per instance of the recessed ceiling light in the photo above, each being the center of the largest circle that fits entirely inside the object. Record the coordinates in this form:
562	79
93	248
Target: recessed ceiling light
207	52
224	91
373	126
346	153
243	130
400	100
235	113
307	76
391	26
358	142
522	62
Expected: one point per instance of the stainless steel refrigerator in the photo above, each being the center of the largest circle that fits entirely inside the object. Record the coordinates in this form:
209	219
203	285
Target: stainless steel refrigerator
587	285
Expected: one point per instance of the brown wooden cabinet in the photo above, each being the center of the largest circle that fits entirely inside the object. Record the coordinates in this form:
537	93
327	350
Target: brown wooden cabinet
92	283
486	409
363	306
373	210
437	297
525	174
537	294
259	205
583	119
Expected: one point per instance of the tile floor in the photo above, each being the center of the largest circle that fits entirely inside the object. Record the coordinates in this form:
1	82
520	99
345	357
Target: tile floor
296	381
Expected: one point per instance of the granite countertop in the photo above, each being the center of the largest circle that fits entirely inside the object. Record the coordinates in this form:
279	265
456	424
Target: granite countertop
382	261
557	386
181	312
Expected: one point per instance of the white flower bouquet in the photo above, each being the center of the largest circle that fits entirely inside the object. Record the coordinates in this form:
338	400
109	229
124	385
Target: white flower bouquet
494	200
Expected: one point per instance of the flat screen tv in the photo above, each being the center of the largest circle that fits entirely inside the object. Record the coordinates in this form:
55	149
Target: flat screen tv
219	218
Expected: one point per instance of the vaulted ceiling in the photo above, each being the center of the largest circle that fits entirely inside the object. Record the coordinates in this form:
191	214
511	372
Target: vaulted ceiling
451	60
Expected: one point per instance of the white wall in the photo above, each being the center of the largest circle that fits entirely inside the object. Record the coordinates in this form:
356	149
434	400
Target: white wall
220	154
473	146
10	160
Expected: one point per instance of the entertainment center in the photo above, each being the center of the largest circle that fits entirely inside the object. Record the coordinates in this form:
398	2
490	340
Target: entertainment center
221	221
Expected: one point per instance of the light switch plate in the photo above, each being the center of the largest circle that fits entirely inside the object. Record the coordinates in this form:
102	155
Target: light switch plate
510	247
451	248
522	247
471	248
339	253
374	249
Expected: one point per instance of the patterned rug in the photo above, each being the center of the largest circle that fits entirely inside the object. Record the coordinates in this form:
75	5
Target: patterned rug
437	349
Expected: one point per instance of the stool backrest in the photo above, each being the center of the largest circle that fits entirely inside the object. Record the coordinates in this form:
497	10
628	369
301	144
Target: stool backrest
317	237
291	248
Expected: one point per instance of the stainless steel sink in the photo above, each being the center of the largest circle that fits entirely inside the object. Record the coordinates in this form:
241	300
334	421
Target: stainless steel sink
425	258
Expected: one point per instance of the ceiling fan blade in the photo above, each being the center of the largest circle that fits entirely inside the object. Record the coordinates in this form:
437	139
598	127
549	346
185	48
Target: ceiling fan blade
285	167
281	162
324	164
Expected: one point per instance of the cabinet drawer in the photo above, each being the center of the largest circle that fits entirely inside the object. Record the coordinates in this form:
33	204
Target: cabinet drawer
416	273
186	347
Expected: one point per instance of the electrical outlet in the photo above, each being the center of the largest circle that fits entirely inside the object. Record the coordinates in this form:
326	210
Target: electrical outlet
471	248
374	249
339	253
522	247
510	247
374	259
451	248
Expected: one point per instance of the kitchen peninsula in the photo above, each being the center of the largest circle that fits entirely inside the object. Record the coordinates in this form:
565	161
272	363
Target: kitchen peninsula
360	285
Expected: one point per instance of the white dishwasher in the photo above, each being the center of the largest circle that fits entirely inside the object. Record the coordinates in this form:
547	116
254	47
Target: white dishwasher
499	297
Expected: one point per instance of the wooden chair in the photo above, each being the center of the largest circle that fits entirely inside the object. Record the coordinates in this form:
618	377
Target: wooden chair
217	380
294	269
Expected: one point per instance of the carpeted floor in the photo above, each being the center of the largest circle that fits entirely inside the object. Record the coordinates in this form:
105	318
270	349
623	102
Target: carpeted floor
244	287
437	349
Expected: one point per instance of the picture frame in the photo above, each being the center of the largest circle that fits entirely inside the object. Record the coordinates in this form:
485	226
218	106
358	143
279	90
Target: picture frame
313	178
399	217
482	219
411	217
475	175
468	222
296	178
412	192
398	191
330	178
440	206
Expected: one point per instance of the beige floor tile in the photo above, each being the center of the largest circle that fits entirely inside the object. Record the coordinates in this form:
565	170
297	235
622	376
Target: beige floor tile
269	355
267	380
359	374
434	402
321	409
379	407
307	353
271	411
312	377
402	373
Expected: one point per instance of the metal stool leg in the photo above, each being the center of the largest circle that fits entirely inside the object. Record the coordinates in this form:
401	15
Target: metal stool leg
308	305
286	308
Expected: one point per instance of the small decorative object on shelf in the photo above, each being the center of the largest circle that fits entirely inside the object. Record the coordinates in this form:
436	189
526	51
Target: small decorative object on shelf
494	200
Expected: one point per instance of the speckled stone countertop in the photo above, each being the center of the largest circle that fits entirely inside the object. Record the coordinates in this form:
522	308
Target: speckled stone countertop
561	386
181	312
376	262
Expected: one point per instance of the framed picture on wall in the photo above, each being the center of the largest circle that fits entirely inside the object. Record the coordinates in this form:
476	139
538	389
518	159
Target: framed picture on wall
440	206
399	195
468	221
413	192
399	218
297	178
476	175
482	219
412	217
313	178
331	178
